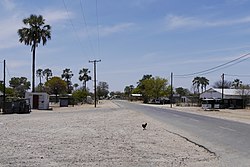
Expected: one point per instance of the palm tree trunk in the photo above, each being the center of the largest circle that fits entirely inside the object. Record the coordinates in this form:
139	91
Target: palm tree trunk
33	67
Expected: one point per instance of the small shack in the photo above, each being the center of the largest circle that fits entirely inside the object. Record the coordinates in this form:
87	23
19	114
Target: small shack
38	100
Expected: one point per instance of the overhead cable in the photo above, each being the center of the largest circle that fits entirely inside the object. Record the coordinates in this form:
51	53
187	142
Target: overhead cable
221	66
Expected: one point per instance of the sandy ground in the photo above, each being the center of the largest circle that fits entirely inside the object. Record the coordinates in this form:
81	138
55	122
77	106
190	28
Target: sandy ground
102	136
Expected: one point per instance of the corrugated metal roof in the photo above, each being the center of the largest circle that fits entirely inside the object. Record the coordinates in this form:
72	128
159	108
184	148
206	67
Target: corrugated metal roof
232	92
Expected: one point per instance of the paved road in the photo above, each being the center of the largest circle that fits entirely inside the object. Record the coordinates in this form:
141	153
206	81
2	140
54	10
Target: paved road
228	139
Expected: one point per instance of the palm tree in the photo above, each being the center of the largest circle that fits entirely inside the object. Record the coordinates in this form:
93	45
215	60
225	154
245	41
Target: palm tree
236	83
204	82
67	75
84	76
47	73
32	35
197	83
39	74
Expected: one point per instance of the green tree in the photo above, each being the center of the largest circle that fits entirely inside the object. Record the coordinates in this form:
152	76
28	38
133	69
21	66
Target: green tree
102	90
47	73
80	95
152	87
204	82
56	86
67	75
39	74
196	83
237	84
181	91
32	35
83	76
128	90
19	85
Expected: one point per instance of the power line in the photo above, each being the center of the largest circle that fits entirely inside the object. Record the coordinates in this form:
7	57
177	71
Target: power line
86	29
71	22
213	69
98	31
238	75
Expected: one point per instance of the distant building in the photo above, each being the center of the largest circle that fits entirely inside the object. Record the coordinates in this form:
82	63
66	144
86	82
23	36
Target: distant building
232	98
38	100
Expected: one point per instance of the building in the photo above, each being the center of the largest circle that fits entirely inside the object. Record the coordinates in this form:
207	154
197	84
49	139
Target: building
232	98
38	100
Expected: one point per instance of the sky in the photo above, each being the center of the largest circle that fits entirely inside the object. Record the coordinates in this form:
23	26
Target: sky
132	38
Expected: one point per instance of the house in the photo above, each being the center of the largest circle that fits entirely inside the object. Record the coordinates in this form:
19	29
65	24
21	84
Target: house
38	100
232	98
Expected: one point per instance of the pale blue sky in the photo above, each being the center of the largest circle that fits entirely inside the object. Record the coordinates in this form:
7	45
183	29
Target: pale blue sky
132	38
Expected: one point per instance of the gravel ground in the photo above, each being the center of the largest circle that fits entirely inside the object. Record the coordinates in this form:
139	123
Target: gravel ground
104	136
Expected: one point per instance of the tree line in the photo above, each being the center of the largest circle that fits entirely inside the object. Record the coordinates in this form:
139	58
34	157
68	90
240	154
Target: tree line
156	87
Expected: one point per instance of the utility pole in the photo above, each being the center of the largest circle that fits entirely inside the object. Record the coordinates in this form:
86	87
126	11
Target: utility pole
4	92
171	96
94	61
222	89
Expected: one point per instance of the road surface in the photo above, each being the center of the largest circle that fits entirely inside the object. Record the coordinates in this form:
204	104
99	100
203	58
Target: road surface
228	139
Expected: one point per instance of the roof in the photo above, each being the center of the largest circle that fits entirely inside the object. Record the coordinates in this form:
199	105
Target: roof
233	92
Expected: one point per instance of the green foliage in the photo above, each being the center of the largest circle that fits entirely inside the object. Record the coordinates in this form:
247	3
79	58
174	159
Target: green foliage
102	90
19	85
47	73
67	75
80	95
182	92
128	90
35	32
152	87
83	76
56	86
200	82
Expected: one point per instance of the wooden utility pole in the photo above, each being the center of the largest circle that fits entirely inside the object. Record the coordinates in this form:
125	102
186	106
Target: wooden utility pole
94	61
222	88
171	96
4	90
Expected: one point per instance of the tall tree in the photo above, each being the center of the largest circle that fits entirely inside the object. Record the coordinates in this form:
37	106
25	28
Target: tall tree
182	91
67	75
39	74
204	82
47	73
236	83
83	76
196	83
56	86
128	90
102	89
20	85
32	35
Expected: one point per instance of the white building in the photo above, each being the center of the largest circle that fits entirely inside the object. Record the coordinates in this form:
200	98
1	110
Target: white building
38	100
232	98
